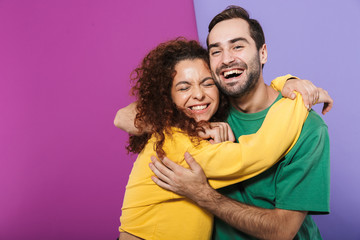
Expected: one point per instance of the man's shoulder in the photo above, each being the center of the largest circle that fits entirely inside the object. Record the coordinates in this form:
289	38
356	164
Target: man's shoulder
314	135
314	122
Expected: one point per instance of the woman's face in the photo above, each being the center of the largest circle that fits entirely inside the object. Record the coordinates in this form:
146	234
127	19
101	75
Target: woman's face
193	89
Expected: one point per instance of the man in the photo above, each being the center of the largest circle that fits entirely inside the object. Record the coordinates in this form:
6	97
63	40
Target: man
277	203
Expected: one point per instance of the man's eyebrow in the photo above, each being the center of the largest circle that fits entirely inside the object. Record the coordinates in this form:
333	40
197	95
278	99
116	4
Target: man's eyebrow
238	39
234	40
213	45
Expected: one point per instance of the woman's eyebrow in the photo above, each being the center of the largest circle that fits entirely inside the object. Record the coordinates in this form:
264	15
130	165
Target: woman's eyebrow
207	78
182	82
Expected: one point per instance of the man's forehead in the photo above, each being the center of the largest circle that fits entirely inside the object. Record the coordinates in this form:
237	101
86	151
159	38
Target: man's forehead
225	31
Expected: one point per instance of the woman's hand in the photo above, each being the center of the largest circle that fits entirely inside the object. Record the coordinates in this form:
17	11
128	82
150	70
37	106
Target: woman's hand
325	98
218	132
310	93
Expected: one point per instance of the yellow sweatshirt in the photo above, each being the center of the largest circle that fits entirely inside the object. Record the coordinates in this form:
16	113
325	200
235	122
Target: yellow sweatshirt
151	212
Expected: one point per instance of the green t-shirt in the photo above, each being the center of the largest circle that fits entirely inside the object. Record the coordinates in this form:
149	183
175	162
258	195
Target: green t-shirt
300	181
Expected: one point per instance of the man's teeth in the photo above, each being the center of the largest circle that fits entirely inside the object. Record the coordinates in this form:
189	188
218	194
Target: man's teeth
199	107
236	71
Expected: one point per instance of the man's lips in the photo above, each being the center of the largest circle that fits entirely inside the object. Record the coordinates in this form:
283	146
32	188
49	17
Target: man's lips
232	73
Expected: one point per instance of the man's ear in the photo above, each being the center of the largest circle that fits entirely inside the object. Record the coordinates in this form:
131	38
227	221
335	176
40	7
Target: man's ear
263	54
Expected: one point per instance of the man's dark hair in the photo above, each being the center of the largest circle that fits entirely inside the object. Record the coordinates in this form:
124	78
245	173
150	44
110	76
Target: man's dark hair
232	12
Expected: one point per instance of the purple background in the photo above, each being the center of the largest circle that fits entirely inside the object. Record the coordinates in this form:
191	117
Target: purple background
316	40
64	71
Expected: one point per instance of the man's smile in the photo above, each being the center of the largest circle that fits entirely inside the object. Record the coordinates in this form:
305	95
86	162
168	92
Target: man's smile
232	73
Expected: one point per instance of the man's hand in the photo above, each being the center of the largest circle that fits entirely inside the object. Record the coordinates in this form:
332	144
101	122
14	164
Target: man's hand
310	93
191	183
180	180
218	132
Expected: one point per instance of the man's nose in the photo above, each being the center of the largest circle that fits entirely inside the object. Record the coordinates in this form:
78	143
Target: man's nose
228	58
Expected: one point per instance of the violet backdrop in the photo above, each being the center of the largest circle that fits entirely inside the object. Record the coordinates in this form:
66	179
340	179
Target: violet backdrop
64	71
319	41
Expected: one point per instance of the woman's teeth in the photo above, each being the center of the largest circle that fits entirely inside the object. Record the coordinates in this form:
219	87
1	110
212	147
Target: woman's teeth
199	107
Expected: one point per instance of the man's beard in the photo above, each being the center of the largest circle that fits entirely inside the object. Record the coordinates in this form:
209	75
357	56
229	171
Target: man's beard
236	89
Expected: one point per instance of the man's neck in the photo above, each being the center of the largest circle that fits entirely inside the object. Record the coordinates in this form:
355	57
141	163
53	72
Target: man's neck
260	98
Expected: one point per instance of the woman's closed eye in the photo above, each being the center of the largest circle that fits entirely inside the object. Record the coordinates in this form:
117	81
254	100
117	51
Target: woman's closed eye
208	82
182	87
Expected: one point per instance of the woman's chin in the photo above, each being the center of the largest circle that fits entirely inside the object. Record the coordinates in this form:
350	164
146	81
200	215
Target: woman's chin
201	117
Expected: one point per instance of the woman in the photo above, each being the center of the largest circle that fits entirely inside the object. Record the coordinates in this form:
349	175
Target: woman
176	96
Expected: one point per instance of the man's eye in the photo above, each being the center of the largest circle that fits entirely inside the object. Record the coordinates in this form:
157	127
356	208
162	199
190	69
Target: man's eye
238	47
215	53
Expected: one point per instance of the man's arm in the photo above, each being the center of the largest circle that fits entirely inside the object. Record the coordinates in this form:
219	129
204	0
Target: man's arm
258	222
255	221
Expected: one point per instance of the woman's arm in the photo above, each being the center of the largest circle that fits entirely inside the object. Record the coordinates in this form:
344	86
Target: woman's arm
175	178
228	163
125	118
309	92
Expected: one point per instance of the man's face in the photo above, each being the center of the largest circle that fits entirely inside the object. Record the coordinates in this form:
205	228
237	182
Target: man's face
234	60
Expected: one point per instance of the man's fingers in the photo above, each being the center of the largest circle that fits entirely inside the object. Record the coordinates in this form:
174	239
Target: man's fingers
161	176
160	170
160	183
191	161
174	167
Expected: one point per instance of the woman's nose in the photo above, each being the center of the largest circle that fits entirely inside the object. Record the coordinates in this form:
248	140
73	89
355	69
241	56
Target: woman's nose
198	93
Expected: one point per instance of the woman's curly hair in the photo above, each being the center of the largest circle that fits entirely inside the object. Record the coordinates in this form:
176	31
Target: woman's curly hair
153	81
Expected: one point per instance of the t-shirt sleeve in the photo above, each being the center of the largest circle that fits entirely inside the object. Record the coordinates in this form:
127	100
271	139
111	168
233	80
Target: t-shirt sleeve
228	163
303	182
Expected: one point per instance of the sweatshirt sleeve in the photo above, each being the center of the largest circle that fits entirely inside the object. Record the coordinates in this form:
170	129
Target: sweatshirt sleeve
228	163
279	82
